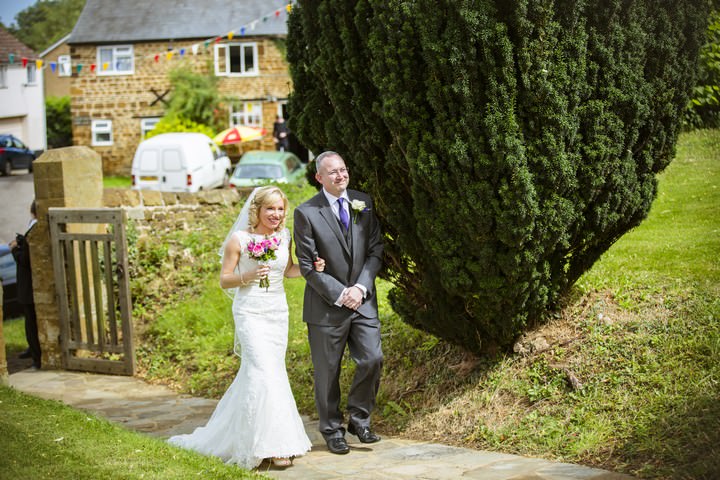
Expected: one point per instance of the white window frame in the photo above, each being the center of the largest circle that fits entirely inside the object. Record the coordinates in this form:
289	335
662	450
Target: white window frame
222	64
147	124
64	66
101	127
31	72
249	114
3	76
117	53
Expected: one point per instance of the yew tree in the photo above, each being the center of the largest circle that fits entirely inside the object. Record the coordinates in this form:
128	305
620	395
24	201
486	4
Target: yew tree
507	143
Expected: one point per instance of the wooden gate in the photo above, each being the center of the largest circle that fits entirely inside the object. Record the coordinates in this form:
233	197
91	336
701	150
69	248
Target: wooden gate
89	250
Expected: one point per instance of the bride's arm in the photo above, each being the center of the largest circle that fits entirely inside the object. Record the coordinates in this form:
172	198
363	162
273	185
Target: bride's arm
229	278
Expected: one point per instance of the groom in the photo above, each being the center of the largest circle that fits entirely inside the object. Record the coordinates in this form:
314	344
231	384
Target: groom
340	305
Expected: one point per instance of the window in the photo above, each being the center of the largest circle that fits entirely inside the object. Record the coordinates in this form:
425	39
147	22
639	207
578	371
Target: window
118	60
236	59
31	74
64	66
247	113
3	76
102	133
147	124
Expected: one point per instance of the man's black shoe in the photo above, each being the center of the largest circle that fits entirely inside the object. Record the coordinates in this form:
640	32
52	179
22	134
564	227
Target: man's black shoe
338	445
364	434
25	354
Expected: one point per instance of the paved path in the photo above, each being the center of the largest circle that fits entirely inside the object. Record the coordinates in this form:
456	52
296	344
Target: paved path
158	411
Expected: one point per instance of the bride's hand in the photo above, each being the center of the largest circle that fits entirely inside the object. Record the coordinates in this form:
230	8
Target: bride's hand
262	271
319	264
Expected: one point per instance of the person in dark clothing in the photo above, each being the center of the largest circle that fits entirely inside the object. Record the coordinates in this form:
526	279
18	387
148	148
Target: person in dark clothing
21	253
281	134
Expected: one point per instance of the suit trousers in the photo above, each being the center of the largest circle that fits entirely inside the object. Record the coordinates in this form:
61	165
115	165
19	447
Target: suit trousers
31	333
327	347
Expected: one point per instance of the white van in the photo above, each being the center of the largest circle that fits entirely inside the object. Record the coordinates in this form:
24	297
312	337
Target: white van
179	162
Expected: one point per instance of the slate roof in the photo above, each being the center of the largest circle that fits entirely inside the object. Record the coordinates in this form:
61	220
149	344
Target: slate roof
9	44
117	21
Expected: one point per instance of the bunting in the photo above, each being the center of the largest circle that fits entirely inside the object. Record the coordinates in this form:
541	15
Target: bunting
170	54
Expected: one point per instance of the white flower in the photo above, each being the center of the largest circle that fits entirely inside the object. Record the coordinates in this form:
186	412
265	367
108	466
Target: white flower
358	206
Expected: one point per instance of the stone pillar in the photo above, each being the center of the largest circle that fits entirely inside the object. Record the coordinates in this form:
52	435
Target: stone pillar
3	358
64	177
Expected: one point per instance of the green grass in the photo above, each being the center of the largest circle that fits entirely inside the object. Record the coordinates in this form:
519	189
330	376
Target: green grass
44	439
14	335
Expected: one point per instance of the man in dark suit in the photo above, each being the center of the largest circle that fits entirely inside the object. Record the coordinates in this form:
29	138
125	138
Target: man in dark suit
21	253
340	303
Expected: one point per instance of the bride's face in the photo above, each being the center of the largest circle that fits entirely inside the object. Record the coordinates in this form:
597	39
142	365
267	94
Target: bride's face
271	215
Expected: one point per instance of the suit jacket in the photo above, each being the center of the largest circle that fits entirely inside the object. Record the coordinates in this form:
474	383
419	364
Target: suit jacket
357	259
21	253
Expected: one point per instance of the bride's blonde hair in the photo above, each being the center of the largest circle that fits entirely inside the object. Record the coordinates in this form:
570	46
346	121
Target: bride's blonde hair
266	196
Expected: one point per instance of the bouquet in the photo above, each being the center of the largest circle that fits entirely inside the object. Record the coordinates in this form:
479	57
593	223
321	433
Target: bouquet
263	251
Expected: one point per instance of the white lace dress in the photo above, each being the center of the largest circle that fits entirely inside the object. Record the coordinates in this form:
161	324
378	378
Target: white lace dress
257	418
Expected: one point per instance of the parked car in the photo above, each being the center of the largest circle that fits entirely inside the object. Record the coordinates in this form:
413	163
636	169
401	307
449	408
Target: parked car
257	167
14	155
179	162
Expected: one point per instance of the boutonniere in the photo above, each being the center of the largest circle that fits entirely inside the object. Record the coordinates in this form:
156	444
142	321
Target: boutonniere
358	207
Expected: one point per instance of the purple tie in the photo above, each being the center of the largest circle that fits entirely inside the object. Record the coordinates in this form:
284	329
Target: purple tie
344	219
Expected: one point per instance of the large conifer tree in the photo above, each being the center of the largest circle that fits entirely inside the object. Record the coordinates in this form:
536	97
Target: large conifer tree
507	143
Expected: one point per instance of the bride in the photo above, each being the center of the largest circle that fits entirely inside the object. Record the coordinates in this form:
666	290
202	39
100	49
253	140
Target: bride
257	417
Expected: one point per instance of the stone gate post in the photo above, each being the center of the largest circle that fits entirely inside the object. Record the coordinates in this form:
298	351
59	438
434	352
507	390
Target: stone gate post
64	177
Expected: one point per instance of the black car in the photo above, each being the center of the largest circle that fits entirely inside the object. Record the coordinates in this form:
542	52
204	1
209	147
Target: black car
14	155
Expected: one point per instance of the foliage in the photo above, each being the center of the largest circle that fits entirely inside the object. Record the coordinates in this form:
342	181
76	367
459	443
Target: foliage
59	122
45	439
174	123
704	106
194	98
45	22
507	144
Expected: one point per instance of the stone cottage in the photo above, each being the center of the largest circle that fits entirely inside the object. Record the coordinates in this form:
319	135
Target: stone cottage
123	50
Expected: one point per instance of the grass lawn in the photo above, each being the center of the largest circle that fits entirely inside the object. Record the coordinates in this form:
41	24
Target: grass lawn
44	439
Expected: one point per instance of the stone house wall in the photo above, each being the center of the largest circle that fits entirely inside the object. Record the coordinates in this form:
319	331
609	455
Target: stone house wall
127	99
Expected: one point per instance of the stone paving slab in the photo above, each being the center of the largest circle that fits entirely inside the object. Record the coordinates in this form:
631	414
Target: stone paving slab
158	411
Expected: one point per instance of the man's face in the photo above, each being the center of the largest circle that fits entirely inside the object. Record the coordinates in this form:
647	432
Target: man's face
333	175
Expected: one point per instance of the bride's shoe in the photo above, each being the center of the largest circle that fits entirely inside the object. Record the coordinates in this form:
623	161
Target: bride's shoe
281	462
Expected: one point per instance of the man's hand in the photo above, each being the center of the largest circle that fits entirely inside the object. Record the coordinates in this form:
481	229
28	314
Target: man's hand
353	298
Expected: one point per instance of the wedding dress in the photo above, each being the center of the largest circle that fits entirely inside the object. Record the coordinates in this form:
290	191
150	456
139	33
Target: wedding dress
257	417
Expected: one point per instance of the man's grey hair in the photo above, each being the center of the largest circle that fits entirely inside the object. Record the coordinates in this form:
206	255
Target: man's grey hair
319	159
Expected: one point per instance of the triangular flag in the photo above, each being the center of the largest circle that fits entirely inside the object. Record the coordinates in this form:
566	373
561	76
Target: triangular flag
242	31
169	55
195	48
38	64
92	67
157	58
79	68
182	52
277	12
53	66
11	57
252	25
24	62
105	66
289	7
230	35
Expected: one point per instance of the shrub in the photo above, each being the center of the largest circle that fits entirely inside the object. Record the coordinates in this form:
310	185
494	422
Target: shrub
59	122
507	144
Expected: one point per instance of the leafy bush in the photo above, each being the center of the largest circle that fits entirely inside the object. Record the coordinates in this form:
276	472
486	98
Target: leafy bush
59	122
704	107
507	144
170	124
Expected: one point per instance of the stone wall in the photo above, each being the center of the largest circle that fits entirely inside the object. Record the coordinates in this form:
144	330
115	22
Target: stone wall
127	99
